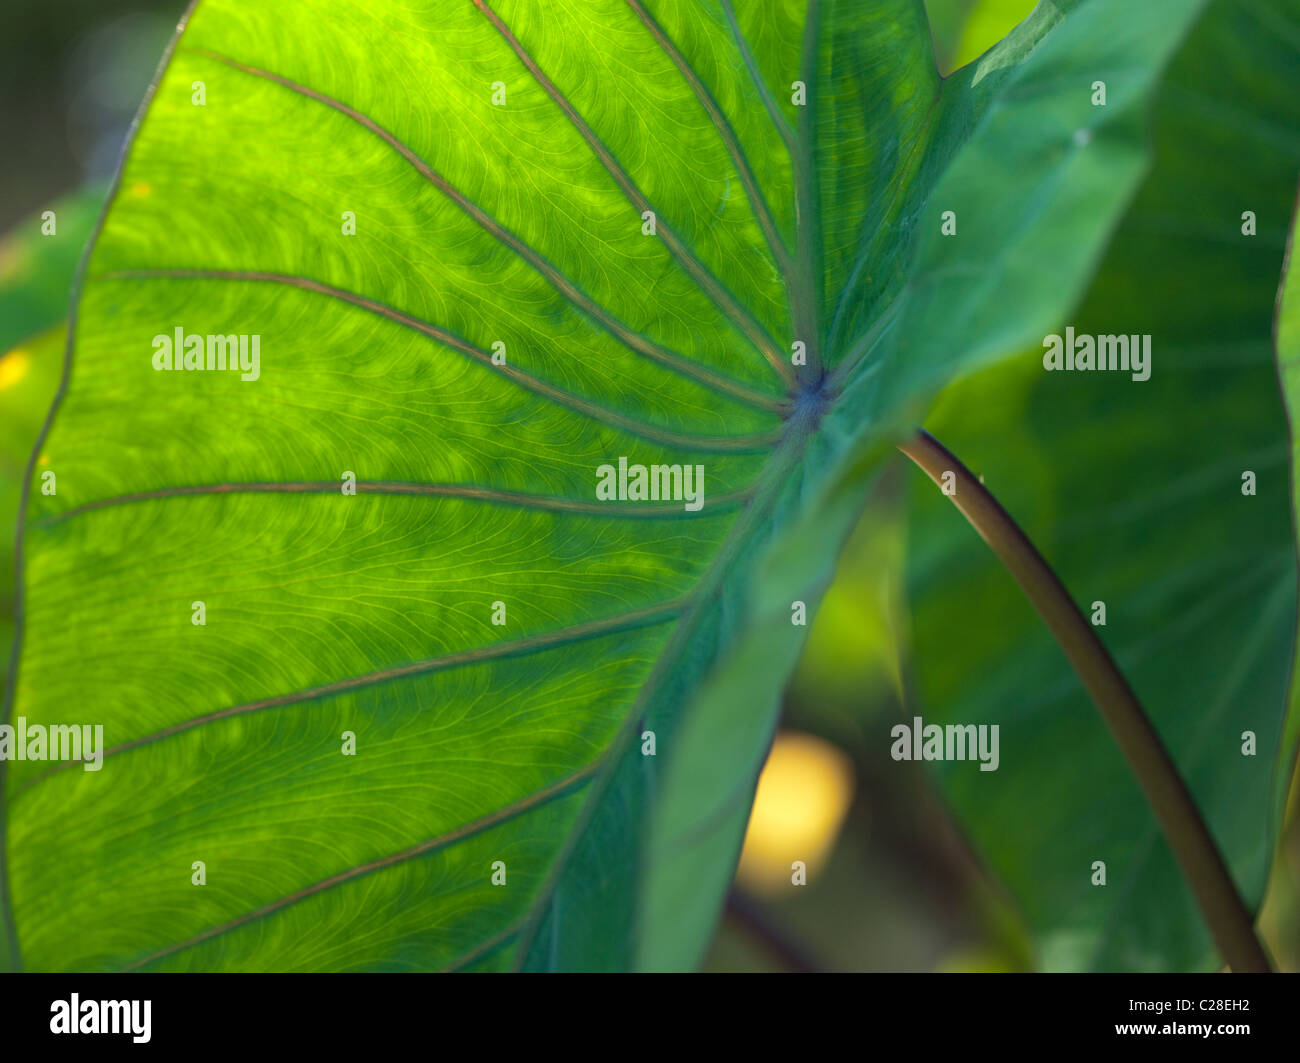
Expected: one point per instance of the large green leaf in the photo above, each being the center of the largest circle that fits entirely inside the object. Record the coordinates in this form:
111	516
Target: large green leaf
517	222
1134	493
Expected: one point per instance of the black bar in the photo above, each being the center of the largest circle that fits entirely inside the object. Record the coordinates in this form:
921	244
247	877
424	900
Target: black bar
454	1013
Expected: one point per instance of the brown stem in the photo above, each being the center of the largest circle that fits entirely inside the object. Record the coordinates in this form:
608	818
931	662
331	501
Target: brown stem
1189	838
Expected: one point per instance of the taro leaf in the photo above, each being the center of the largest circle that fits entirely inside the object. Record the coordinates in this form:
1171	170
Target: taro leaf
500	161
1134	493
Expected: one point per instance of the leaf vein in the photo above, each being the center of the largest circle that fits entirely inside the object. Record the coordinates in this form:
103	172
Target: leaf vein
564	786
518	376
627	621
583	302
764	92
684	255
780	253
517	499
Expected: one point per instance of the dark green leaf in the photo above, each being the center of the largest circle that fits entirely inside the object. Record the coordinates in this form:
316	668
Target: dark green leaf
1134	493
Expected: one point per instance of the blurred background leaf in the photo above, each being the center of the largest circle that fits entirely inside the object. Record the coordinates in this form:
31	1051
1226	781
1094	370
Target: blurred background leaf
35	279
1280	918
1133	491
1013	425
36	270
964	30
29	376
72	73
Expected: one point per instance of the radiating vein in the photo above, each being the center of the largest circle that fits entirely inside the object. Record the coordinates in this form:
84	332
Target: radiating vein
518	376
628	621
728	136
709	284
868	247
627	336
785	460
764	92
490	945
565	786
678	610
468	492
840	376
808	250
